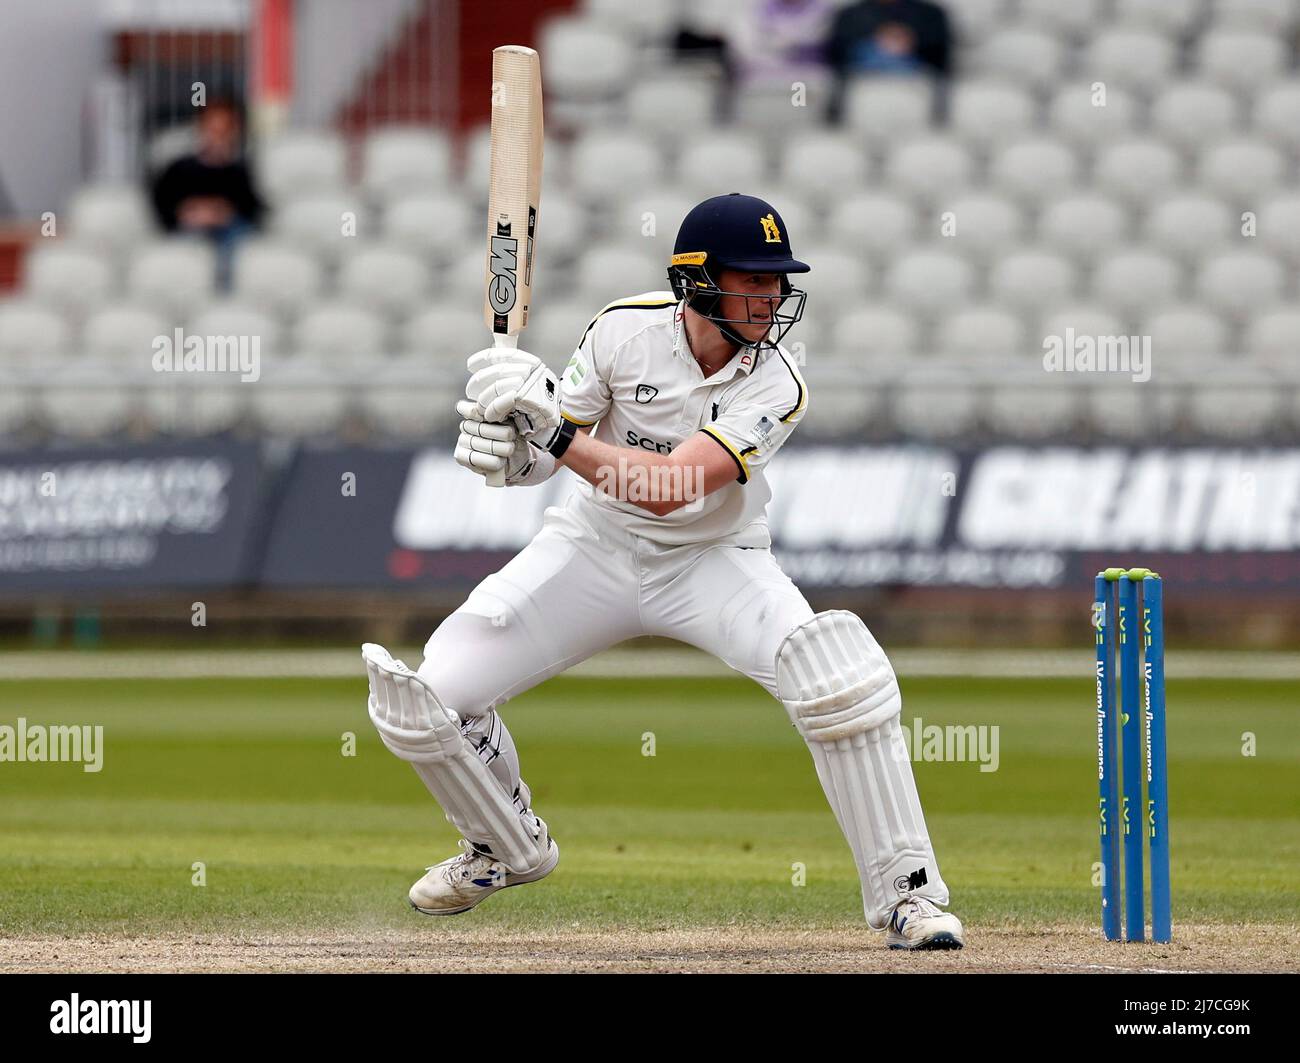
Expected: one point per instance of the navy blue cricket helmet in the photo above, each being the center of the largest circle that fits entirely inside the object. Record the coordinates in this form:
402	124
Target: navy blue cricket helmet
735	232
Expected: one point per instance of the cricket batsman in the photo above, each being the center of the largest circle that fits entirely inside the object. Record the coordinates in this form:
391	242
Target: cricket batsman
689	388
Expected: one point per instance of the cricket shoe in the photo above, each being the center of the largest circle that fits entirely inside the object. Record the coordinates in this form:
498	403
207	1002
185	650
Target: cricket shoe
920	924
459	883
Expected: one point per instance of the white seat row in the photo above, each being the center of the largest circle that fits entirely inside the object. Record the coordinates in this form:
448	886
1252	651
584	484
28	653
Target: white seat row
939	400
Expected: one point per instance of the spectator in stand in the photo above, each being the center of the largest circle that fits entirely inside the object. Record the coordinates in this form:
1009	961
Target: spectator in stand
906	37
211	192
782	42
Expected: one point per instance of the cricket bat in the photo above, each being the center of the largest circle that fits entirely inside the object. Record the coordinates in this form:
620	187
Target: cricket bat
514	195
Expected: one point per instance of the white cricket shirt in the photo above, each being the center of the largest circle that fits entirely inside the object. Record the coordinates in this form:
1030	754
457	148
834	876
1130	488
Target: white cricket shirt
633	375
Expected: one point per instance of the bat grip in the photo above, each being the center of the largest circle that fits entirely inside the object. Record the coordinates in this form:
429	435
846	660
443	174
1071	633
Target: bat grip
498	479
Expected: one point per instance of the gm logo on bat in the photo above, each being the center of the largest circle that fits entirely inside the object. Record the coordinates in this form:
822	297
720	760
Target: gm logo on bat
503	265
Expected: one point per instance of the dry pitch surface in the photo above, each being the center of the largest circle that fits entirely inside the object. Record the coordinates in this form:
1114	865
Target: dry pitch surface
439	949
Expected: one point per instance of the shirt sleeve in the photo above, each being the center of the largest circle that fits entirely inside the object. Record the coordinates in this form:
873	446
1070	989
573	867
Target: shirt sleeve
760	417
584	388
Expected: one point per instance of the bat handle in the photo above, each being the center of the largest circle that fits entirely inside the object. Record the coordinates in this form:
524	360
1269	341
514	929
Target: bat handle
498	479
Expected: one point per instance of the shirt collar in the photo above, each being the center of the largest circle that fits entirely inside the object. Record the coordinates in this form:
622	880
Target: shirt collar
741	362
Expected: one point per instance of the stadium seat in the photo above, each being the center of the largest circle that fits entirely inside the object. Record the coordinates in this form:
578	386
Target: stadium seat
1243	403
67	276
175	276
989	112
1279	227
652	21
326	225
31	334
1277	114
586	59
294	164
1268	16
930	281
558	329
1030	279
1243	61
608	273
449	331
1074	20
1076	116
298	400
1239	283
838	278
1023	402
665	105
196	404
391	281
1083	226
1136	279
1123	409
874	332
1031	171
337	333
1274	335
976	19
935	401
981	332
848	403
1242	171
711	159
777	110
878	226
607	163
1133	59
1137	171
1190	114
887	110
437	224
124	334
1185	330
385	400
110	217
1028	56
275	276
1189	225
928	168
86	400
823	166
399	161
985	224
1174	18
647	218
229	317
1082	319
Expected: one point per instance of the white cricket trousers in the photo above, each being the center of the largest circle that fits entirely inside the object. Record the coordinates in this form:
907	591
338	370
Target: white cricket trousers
584	584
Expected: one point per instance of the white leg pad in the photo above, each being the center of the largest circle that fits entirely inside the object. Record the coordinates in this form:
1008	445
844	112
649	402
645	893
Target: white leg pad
416	727
841	692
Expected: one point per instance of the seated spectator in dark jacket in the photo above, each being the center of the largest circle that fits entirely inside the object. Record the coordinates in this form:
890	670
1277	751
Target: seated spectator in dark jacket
211	192
890	37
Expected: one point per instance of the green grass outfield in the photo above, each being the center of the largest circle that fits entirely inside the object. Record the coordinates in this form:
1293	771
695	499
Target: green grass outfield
247	776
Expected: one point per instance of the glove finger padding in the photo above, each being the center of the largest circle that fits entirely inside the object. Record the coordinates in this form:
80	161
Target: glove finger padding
502	355
490	377
478	462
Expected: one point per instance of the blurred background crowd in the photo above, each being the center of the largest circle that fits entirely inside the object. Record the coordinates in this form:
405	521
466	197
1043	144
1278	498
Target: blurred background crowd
970	181
966	179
